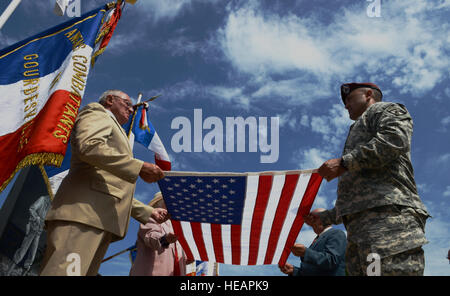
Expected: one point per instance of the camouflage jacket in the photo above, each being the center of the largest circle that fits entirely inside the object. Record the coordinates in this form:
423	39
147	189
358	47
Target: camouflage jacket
377	156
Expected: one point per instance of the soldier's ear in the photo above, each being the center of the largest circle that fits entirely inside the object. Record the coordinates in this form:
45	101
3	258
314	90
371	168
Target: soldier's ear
369	94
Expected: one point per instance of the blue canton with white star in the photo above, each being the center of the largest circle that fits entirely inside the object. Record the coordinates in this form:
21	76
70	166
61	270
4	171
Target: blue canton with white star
211	199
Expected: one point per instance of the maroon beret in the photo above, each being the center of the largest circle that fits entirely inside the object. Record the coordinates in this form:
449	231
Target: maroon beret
347	88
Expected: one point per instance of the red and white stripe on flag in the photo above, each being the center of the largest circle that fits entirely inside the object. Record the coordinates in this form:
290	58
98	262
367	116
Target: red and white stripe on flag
216	222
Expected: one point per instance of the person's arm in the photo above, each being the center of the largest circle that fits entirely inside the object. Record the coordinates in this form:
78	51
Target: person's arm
328	259
393	136
93	129
151	234
142	212
154	238
288	269
296	271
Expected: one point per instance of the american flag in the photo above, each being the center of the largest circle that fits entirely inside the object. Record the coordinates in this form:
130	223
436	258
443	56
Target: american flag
239	218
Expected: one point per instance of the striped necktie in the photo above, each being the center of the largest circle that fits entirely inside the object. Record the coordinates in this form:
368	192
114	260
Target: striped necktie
317	237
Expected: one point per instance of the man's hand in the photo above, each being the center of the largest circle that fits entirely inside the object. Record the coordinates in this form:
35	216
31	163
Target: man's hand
287	269
331	169
171	238
298	250
160	215
151	173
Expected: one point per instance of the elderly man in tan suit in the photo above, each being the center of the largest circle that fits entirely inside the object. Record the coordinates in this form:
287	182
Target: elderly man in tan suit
94	203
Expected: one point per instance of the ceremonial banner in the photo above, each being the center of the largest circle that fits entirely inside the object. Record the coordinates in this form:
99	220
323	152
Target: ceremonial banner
55	175
140	127
239	218
42	82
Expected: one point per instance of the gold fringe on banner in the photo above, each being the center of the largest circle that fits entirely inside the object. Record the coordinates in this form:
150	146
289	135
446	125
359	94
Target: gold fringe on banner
102	34
110	5
96	54
35	159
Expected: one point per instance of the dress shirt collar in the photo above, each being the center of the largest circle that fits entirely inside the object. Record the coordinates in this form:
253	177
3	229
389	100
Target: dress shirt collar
326	229
110	113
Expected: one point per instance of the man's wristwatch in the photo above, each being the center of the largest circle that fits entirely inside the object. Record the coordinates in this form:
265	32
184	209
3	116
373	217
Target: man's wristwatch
342	163
163	241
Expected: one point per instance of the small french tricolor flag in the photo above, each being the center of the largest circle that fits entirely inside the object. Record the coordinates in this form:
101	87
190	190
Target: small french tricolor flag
141	130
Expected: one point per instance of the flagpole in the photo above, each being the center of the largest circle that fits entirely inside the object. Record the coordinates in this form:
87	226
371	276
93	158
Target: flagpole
134	115
146	101
139	98
8	11
51	194
132	248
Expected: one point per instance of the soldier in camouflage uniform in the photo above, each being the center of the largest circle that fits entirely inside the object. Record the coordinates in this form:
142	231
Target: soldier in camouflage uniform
377	197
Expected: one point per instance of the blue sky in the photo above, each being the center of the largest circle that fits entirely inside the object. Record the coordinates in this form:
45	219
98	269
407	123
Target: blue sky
282	59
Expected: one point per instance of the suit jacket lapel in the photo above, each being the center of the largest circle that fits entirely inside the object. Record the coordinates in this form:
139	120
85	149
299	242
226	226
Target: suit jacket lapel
123	133
121	130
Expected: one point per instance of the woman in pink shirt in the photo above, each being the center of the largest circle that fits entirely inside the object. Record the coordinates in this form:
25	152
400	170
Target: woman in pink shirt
158	251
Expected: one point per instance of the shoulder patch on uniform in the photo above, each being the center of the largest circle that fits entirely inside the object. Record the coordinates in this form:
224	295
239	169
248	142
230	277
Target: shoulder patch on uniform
396	110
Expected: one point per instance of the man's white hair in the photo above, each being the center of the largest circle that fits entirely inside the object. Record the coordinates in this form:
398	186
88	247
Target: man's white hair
113	92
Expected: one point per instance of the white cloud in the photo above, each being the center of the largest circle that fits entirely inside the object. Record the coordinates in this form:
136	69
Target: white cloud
163	9
447	191
123	40
306	236
445	121
293	120
6	40
229	95
179	163
443	158
166	10
437	232
143	196
423	188
182	45
403	48
180	91
304	120
320	202
438	235
293	91
189	89
287	120
256	42
333	127
310	158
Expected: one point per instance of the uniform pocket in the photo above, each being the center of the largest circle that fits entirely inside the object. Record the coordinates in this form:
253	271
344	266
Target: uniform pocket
107	188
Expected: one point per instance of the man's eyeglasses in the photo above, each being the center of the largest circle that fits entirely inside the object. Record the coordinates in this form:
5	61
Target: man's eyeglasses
126	102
